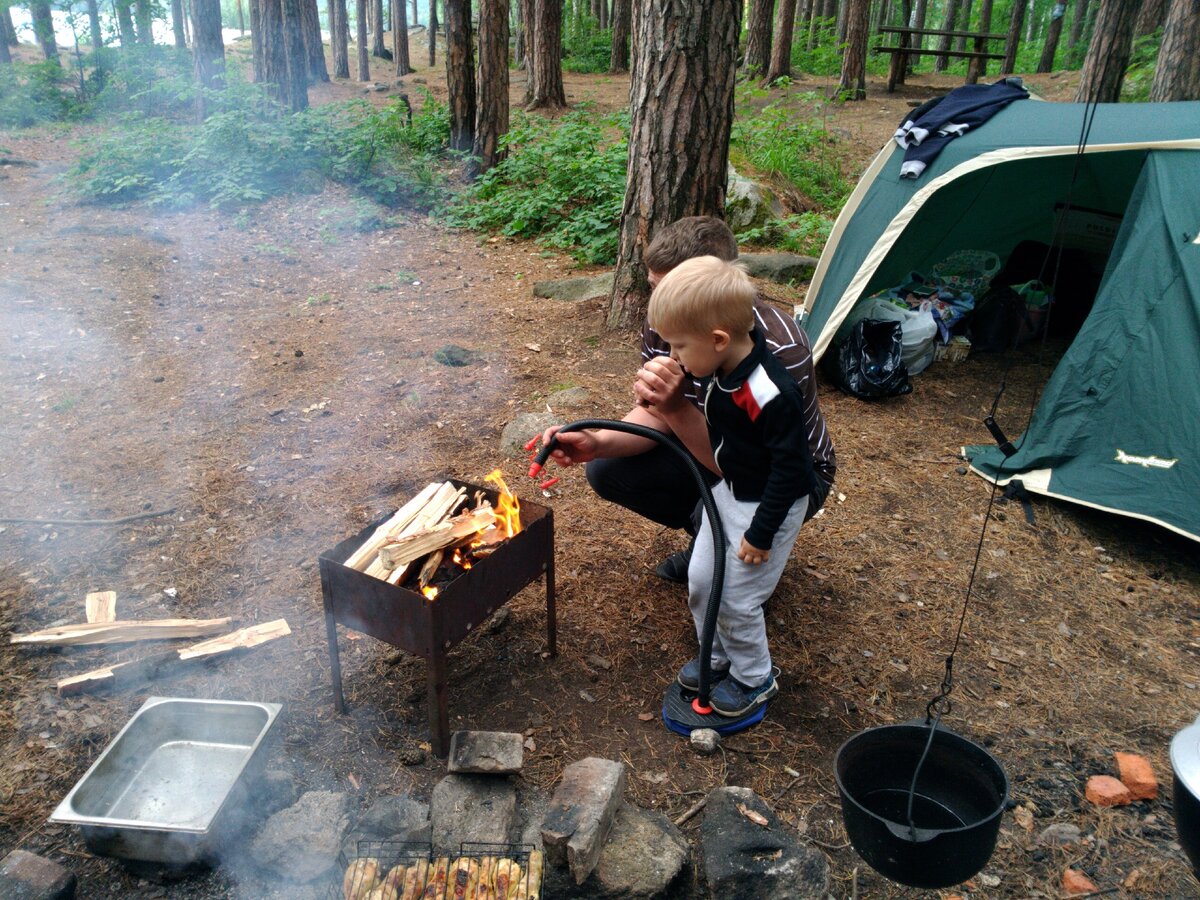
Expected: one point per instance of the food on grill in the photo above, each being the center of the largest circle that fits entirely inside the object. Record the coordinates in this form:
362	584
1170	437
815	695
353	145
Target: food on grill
439	874
362	877
531	887
414	880
383	892
395	878
463	879
506	877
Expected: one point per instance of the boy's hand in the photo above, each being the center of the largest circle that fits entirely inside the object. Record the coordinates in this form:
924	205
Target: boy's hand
659	385
573	448
751	555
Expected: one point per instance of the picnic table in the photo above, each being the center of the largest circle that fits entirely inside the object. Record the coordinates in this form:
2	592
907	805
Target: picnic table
904	49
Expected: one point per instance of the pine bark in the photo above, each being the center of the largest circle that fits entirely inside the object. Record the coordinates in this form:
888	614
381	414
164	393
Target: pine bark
339	37
125	23
177	32
208	49
97	36
1177	75
378	47
491	121
918	22
145	18
681	97
1151	16
1053	33
604	16
529	16
976	68
314	47
964	23
1108	55
400	38
8	31
296	54
274	64
460	74
43	28
758	37
781	52
1014	36
360	40
432	31
545	72
256	43
416	14
940	63
853	85
621	14
1077	23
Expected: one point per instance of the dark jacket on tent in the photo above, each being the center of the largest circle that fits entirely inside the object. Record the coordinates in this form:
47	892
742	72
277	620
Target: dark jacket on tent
936	122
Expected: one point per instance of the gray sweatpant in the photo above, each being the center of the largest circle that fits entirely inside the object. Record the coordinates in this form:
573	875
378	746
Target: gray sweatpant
741	635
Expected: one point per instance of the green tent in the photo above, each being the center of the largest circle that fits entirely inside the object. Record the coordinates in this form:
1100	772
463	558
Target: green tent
1118	425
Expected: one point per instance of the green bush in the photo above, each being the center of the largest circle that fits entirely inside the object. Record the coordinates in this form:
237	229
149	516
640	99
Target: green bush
33	93
586	47
1139	77
825	58
781	144
562	182
804	233
153	81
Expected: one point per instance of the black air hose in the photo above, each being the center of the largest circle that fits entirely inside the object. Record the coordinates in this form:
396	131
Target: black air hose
720	546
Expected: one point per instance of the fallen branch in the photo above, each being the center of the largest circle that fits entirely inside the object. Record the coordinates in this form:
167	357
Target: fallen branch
147	667
121	521
696	807
121	632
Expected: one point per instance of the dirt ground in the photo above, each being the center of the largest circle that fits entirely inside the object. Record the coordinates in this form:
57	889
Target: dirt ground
274	385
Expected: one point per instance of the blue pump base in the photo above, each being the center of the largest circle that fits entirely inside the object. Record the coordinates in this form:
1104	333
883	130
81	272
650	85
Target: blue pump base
680	718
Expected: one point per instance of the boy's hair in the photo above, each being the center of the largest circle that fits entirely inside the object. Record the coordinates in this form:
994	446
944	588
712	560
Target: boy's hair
702	295
688	238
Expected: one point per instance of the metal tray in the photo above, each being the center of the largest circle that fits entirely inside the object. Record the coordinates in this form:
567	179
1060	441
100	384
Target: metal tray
173	782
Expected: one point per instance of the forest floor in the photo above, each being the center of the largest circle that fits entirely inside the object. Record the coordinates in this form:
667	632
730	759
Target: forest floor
275	385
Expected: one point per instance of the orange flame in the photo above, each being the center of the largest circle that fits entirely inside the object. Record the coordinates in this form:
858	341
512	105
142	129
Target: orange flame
460	560
508	508
430	593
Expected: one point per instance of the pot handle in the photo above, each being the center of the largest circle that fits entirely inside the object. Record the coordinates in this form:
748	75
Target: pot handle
912	835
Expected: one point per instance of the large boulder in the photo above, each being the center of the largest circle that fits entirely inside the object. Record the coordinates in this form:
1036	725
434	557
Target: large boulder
575	289
744	860
472	809
389	818
301	843
782	268
749	204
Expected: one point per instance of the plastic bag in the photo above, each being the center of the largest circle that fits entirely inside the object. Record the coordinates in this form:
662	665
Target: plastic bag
1000	322
869	363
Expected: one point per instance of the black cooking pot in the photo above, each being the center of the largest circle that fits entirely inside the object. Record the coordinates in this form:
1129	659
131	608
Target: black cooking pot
959	798
1185	763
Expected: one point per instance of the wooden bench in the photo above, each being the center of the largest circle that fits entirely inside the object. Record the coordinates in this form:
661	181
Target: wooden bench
904	49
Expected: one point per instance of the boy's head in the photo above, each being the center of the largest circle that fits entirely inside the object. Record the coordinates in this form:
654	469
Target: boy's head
686	239
699	308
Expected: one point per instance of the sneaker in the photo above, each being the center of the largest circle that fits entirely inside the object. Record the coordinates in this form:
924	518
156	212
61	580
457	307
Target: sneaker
675	567
732	698
689	675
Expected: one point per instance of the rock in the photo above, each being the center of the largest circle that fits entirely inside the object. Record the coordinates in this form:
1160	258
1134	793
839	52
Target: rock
474	808
27	876
581	814
486	752
456	356
575	289
1137	775
1075	882
517	433
1104	790
749	204
743	860
782	268
390	818
569	398
704	741
301	843
276	790
1060	834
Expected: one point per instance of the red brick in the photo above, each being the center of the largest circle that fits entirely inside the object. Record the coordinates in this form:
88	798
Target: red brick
1075	882
27	876
1137	775
1104	790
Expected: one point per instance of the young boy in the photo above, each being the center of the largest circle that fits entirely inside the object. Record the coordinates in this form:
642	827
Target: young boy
704	308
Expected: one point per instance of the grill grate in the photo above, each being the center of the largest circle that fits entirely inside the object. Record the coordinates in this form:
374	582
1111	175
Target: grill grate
417	874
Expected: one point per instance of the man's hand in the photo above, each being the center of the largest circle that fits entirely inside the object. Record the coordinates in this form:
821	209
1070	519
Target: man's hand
751	555
573	448
659	386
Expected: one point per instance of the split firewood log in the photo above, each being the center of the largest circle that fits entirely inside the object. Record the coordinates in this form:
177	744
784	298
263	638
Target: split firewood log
440	507
117	632
365	554
403	550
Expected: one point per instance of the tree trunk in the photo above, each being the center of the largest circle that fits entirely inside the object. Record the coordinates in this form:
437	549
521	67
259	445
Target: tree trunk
416	14
1108	54
621	13
400	38
208	50
378	47
8	31
1014	36
528	15
939	64
491	123
679	138
177	32
296	54
964	23
758	37
125	23
1050	44
95	35
43	28
853	85
314	47
274	64
781	52
145	19
257	51
242	18
1177	75
339	37
919	15
460	74
1081	11
977	68
880	18
360	40
1151	16
519	36
5	50
545	73
432	32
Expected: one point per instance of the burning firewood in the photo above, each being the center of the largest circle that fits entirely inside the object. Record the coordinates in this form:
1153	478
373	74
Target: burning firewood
443	503
429	567
403	550
365	555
